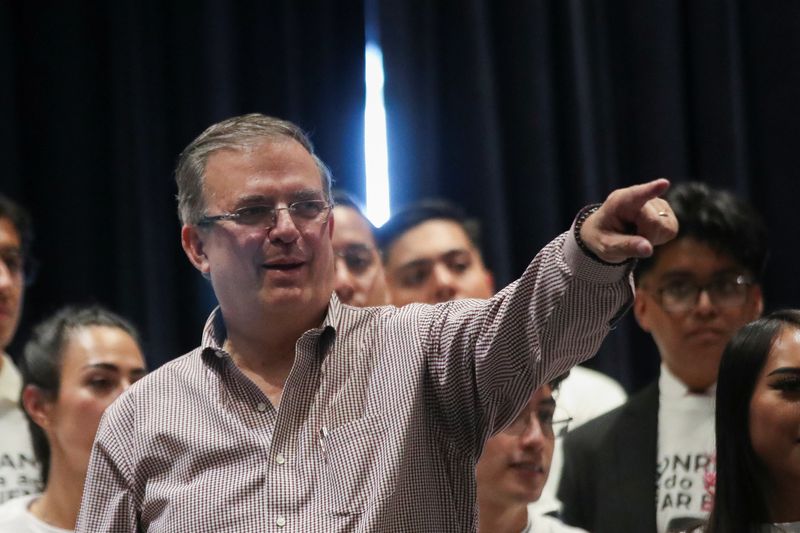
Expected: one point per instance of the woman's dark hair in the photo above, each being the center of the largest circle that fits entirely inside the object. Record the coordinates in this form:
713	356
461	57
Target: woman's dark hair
42	360
740	505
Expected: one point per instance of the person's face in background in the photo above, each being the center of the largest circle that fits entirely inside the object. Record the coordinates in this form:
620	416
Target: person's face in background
98	364
360	280
11	281
775	419
691	342
435	262
516	461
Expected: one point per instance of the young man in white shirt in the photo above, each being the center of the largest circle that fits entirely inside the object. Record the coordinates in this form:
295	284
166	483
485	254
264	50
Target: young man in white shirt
19	473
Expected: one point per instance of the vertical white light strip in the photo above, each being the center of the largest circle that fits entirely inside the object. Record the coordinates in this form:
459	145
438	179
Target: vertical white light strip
376	156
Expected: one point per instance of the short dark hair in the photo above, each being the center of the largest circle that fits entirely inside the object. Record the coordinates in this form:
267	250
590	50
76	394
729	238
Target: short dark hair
42	359
719	219
415	214
344	199
739	501
20	219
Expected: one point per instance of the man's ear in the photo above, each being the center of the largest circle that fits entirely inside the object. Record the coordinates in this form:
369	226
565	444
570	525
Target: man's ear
490	280
192	242
38	404
330	224
641	305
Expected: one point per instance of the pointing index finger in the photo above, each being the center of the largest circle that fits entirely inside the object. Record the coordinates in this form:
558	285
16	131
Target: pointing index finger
641	194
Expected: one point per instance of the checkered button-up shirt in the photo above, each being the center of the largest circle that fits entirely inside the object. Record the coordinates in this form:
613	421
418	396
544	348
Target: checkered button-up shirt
382	418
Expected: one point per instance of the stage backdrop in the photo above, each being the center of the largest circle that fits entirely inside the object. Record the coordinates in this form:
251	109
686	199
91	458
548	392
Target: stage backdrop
522	111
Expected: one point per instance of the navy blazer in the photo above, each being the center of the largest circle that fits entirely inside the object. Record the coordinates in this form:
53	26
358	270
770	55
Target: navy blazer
608	483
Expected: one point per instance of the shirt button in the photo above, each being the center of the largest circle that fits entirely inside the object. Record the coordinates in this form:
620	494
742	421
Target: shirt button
280	521
261	406
280	459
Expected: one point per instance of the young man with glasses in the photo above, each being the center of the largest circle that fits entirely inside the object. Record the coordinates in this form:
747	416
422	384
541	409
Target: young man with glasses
298	413
19	473
515	464
642	467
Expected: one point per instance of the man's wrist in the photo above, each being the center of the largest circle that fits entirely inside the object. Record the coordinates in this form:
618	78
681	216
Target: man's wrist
584	214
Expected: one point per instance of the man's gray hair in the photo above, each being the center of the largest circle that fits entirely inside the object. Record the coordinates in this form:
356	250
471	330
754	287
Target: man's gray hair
235	133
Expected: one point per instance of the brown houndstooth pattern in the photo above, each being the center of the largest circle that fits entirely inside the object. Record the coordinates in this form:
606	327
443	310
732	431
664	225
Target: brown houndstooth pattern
380	423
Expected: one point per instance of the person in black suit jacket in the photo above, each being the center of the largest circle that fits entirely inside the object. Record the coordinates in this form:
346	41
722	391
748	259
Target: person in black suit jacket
624	471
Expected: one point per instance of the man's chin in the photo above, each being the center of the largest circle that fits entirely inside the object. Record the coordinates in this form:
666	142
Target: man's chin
294	300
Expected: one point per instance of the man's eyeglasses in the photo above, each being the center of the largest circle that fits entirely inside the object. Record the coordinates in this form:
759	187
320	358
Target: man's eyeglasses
358	258
682	295
304	213
550	428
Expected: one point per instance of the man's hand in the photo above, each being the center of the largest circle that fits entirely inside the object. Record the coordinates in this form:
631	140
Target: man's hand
630	222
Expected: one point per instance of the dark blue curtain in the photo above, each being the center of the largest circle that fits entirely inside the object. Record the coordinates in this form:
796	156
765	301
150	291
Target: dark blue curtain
521	110
525	110
99	98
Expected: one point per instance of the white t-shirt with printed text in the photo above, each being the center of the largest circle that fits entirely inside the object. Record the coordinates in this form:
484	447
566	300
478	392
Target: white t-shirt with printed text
685	451
19	471
16	518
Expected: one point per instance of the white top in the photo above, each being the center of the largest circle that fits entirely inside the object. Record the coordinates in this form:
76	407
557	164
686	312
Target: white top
585	394
685	451
785	527
16	518
19	471
544	524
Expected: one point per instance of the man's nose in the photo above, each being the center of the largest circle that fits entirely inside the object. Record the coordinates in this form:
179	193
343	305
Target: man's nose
284	228
444	283
534	435
704	304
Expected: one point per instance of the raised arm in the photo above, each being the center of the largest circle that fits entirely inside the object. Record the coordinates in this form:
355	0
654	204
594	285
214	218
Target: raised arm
489	356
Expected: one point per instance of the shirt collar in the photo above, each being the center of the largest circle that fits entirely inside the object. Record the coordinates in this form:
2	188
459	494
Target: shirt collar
670	386
10	381
215	332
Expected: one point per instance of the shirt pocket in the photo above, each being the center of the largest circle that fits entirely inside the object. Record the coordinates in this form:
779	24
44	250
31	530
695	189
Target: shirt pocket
355	469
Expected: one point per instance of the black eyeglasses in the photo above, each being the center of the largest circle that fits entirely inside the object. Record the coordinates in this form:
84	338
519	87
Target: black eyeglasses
681	295
550	428
303	214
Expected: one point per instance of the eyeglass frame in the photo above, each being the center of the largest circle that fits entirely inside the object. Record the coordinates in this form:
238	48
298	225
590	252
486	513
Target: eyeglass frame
741	280
549	430
208	220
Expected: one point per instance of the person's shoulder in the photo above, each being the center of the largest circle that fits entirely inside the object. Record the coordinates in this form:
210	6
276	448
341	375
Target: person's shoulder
583	377
185	368
13	512
587	394
549	524
159	386
593	434
595	430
